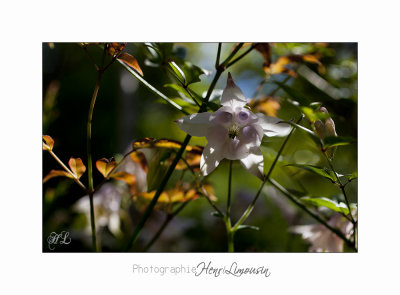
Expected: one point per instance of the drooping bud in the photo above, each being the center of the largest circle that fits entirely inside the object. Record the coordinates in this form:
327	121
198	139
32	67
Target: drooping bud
325	129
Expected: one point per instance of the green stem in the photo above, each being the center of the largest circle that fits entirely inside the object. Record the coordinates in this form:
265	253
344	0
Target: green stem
89	156
160	189
228	222
251	206
241	56
341	188
218	55
319	219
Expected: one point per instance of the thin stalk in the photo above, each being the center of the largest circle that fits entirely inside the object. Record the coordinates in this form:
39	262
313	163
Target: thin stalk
218	55
167	220
89	156
319	219
160	189
341	188
69	171
251	206
240	56
234	51
228	223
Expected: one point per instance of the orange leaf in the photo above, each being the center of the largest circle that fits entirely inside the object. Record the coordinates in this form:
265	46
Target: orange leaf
105	165
77	167
115	48
140	158
130	61
56	173
48	143
266	105
124	176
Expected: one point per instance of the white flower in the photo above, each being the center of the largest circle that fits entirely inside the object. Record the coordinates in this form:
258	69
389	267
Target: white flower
321	238
233	132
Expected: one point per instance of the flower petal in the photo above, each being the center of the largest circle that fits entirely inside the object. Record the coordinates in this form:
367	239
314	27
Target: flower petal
195	124
210	159
272	127
254	162
235	149
232	95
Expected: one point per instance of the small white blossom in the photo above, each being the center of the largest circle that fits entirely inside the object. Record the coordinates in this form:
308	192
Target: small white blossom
233	132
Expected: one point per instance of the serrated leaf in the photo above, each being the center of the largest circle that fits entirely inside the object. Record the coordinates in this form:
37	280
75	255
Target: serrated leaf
244	226
325	202
105	166
326	173
77	167
48	143
56	173
178	72
332	141
130	61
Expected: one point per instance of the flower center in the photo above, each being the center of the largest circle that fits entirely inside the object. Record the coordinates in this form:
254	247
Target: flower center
233	131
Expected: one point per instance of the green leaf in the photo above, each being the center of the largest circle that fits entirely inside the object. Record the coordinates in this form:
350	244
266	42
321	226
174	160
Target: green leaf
310	133
185	92
325	202
157	169
332	141
294	94
351	176
313	115
326	173
149	86
244	226
193	73
178	72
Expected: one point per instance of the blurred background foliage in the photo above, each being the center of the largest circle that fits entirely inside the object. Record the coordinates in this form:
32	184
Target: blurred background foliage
126	111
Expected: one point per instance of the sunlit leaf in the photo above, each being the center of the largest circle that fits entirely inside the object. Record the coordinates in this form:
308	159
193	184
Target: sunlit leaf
326	173
105	166
325	202
130	61
77	166
115	48
193	73
332	141
140	158
351	176
48	143
178	72
283	63
266	105
192	158
175	195
128	178
56	173
149	142
244	226
314	115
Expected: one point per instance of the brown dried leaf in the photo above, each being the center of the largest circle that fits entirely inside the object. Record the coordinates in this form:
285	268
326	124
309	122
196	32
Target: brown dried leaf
77	167
130	61
56	173
265	51
105	166
48	143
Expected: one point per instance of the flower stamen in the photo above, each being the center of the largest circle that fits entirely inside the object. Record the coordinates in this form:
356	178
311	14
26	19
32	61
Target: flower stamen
233	131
